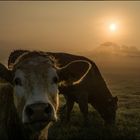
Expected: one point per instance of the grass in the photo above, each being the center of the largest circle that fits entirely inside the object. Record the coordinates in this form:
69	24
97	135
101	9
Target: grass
127	122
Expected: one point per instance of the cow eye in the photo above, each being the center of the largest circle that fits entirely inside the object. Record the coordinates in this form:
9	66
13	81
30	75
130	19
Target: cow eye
55	80
18	82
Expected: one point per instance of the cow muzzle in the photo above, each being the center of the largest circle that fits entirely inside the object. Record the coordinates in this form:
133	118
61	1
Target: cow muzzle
39	115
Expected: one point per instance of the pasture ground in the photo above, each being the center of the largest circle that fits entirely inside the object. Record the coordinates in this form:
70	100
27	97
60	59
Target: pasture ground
127	88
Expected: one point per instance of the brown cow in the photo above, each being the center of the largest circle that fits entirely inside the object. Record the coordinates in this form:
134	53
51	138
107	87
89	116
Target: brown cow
34	78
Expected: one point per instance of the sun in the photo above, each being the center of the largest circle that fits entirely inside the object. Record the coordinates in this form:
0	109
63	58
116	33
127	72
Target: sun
113	27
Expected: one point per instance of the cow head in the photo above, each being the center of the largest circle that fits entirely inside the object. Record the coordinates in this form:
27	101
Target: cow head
35	82
108	112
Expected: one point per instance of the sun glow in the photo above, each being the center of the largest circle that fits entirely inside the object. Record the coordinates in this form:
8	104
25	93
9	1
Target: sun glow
113	27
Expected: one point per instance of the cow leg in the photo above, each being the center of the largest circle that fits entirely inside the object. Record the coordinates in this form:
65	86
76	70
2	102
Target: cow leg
83	105
94	106
63	108
70	104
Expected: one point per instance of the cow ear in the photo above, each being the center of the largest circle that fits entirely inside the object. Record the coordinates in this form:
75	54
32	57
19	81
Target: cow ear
5	74
14	55
74	71
113	99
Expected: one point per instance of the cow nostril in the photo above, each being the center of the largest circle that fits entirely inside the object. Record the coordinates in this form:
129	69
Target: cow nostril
48	109
29	111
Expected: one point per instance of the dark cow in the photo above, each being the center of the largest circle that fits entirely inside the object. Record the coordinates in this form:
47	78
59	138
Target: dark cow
92	89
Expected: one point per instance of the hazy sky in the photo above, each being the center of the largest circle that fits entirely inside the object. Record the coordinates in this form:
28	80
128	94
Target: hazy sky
67	26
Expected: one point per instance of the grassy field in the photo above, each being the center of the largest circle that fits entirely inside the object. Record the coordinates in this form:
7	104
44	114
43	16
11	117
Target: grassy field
127	88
